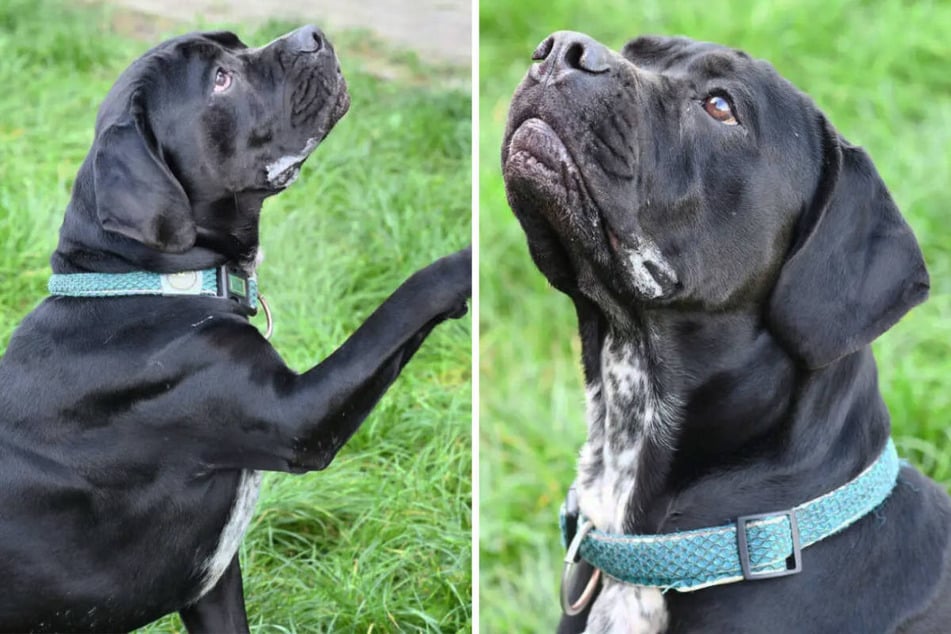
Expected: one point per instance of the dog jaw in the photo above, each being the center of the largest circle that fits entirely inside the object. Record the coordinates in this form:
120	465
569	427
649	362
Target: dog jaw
651	274
283	171
543	179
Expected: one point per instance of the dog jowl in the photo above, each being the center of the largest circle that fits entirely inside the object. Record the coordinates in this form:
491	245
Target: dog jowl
730	257
138	404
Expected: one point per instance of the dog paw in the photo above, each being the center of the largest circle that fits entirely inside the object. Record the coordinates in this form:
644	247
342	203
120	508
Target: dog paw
459	279
457	269
441	290
459	311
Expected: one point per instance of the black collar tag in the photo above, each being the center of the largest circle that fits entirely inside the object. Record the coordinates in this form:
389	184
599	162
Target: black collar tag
234	283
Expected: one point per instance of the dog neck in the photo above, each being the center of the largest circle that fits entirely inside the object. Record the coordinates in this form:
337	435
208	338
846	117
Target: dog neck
229	226
227	232
695	419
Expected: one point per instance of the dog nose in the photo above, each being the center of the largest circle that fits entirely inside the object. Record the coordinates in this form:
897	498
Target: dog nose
307	39
567	51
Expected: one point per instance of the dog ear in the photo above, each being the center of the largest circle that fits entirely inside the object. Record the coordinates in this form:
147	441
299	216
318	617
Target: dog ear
136	193
856	267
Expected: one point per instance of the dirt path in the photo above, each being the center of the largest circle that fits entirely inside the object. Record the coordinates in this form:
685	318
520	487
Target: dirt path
439	30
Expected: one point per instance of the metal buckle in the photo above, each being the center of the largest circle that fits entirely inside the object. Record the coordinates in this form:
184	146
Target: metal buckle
233	284
743	548
571	558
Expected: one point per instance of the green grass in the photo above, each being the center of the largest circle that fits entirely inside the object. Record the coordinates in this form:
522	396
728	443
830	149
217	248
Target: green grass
878	69
380	541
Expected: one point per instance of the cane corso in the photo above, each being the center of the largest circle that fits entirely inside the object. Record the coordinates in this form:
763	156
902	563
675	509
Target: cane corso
133	427
730	257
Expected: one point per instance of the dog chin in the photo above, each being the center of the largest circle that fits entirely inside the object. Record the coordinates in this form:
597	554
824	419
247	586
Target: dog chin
282	172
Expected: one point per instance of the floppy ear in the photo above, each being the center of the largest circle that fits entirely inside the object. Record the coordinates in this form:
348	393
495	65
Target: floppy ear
856	268
136	193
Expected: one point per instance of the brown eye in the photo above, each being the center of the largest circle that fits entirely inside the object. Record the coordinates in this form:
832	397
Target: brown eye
720	109
222	80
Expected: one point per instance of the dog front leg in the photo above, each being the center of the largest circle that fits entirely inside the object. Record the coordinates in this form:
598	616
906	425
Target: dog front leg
298	422
344	388
221	609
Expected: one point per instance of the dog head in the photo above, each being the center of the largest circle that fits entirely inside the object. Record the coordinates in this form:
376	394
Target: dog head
682	174
197	132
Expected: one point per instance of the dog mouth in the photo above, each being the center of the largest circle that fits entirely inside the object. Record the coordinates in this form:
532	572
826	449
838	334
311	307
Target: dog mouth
339	107
543	179
536	151
283	171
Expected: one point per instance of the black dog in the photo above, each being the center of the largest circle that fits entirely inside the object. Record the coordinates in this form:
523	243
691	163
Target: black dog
131	427
730	257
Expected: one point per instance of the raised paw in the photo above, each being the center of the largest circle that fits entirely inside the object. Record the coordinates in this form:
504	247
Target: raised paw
458	312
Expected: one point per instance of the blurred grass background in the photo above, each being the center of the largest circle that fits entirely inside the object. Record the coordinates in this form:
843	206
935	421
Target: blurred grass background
879	69
380	541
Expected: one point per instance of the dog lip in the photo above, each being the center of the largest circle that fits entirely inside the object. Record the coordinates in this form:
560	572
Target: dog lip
536	138
342	104
536	159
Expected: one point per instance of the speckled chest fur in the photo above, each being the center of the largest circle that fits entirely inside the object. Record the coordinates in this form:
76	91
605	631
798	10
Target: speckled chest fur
624	409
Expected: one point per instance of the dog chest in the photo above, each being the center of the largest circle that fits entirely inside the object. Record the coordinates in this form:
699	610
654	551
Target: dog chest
624	413
242	509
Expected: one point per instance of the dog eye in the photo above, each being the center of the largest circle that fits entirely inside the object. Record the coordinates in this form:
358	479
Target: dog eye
720	109
222	80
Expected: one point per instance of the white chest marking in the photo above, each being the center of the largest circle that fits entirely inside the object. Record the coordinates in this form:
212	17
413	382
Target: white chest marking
623	410
626	609
249	486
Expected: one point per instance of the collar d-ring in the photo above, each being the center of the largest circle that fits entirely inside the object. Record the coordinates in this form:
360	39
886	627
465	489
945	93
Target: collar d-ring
269	329
572	557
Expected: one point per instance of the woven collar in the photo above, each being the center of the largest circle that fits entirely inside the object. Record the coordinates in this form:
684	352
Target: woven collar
224	281
751	547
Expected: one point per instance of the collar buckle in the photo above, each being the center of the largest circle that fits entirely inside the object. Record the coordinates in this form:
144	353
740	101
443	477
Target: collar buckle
742	546
233	283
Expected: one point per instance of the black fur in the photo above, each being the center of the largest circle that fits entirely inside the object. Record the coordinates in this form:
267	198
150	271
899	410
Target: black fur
126	422
788	257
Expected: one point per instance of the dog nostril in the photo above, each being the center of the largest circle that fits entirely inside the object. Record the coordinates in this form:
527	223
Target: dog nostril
573	56
543	50
567	51
307	39
318	41
587	55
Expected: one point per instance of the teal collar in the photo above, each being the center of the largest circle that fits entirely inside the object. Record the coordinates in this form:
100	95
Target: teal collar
224	281
750	547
